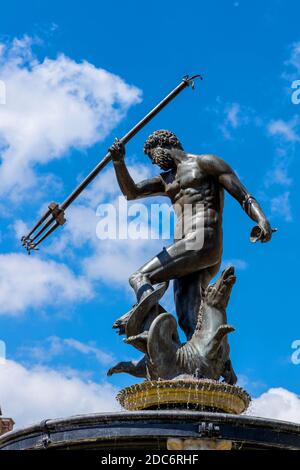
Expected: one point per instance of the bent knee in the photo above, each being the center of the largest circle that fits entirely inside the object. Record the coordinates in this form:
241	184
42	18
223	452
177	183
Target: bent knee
132	278
136	277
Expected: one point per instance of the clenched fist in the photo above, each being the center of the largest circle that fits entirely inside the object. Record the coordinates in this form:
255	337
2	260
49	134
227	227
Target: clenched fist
117	151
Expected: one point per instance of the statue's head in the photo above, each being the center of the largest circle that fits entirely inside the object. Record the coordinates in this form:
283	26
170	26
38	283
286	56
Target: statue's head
160	147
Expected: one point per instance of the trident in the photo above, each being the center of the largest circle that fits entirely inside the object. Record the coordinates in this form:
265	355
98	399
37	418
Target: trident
55	215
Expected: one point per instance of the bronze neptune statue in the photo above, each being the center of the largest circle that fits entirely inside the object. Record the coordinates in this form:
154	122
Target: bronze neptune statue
195	185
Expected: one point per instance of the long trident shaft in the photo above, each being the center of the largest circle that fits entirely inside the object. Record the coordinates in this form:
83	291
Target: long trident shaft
54	216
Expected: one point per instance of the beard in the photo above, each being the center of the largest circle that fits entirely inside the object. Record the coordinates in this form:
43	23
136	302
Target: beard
162	158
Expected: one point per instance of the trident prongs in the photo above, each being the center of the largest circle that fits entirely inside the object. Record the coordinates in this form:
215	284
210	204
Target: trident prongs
42	219
25	240
29	246
191	80
33	246
54	214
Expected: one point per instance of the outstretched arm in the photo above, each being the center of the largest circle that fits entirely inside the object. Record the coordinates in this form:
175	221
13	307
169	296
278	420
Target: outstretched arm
129	188
230	181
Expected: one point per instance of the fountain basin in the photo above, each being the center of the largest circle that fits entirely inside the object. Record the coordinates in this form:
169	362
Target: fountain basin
203	395
151	430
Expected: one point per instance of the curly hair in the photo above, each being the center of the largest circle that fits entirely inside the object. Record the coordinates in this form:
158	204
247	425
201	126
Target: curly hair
162	138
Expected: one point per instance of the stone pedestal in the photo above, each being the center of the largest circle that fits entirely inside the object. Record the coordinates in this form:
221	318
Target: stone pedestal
198	444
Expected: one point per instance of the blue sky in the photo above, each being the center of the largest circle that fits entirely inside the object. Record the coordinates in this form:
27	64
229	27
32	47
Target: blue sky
77	75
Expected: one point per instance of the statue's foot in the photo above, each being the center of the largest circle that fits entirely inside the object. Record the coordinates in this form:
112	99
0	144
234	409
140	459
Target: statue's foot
138	315
130	323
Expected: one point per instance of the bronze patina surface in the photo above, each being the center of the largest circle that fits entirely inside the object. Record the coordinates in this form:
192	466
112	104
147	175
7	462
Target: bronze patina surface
195	185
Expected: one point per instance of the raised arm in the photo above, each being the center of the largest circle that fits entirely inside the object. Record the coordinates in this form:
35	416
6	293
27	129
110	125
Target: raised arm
230	181
130	189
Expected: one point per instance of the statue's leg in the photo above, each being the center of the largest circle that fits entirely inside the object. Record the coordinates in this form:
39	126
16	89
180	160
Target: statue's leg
188	294
141	284
173	262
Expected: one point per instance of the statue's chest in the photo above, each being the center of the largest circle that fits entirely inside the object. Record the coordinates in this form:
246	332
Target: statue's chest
188	176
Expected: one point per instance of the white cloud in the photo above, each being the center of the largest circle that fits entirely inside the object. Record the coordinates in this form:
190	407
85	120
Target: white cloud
277	403
101	356
281	206
32	282
29	396
49	349
279	174
52	106
234	116
115	260
286	133
286	130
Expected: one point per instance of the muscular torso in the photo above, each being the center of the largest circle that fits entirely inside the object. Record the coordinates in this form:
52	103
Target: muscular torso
190	185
